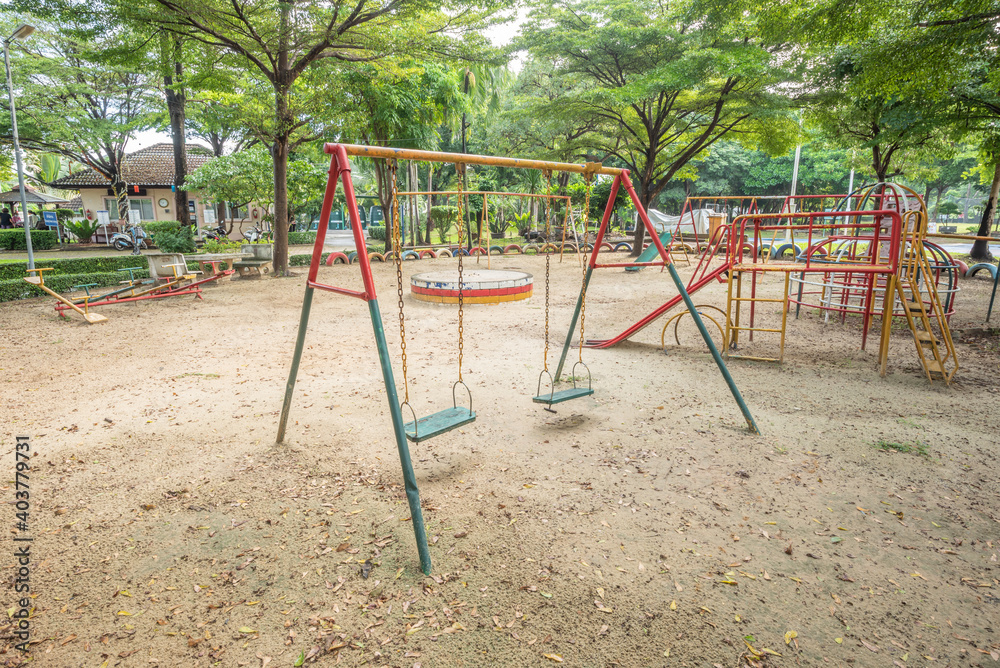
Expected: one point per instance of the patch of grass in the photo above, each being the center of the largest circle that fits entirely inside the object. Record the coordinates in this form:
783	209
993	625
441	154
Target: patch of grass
911	423
918	447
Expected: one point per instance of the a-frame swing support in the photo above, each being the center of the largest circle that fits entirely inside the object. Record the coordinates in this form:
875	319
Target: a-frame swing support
340	170
621	179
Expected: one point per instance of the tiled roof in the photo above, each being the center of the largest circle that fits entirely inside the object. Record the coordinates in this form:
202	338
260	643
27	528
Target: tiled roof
149	167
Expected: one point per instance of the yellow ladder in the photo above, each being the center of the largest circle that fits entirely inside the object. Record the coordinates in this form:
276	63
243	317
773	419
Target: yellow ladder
734	304
917	292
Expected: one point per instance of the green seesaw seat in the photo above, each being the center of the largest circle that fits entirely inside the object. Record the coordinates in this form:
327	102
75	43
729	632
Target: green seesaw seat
443	421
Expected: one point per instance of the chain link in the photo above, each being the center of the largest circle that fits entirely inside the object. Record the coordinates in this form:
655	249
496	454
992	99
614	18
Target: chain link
548	260
460	173
583	293
397	249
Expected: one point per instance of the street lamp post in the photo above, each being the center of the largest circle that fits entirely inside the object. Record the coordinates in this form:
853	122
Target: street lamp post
22	31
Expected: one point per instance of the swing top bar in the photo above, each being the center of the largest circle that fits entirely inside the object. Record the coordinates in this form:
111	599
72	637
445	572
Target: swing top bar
469	159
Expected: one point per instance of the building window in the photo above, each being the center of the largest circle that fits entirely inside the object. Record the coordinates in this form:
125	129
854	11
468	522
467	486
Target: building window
143	206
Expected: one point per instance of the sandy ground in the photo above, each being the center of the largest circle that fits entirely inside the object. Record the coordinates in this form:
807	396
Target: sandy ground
641	527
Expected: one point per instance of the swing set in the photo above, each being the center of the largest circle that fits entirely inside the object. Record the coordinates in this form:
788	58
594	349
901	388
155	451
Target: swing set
421	429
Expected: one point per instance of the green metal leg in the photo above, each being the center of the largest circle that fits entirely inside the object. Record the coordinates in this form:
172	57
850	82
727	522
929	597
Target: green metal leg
409	477
572	325
996	279
711	346
296	358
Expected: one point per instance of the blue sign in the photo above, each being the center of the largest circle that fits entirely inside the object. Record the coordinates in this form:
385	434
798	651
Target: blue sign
50	218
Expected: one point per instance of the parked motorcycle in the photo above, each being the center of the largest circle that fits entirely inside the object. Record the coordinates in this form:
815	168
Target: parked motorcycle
216	234
133	238
254	235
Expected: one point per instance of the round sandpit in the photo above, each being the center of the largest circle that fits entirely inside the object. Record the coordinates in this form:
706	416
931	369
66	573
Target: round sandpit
479	286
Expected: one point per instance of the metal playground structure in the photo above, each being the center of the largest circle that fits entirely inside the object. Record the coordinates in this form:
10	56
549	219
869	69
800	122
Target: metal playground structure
867	256
420	429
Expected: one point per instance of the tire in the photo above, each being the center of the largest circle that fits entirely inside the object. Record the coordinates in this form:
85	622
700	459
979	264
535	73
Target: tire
982	266
122	245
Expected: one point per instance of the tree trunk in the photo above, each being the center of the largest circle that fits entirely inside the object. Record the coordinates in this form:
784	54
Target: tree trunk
981	249
640	230
279	150
120	190
176	99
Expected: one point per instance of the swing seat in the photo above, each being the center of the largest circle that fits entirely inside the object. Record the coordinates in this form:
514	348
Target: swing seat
563	395
568	394
438	423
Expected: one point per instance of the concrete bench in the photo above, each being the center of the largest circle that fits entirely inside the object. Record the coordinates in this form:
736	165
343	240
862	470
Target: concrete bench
248	268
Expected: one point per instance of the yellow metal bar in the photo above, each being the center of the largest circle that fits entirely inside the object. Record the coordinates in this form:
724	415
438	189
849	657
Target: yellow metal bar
784	320
362	151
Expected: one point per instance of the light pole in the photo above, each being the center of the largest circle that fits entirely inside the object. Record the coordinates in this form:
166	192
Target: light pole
22	31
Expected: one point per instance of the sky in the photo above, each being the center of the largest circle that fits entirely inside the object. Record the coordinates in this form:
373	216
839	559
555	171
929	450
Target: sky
500	35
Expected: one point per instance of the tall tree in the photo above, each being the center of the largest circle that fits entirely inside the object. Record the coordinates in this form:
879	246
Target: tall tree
662	82
284	42
82	96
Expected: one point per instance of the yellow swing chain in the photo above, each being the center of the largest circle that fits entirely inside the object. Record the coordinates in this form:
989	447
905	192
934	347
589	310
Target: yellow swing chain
397	249
459	173
583	293
548	221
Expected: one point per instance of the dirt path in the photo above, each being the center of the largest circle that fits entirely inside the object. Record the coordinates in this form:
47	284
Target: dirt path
641	527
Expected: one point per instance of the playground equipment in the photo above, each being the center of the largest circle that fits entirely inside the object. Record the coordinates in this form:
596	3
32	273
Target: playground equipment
860	261
450	418
169	278
481	286
340	171
39	280
569	222
575	392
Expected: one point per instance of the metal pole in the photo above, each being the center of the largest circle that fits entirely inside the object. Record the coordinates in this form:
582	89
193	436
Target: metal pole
711	347
17	156
409	476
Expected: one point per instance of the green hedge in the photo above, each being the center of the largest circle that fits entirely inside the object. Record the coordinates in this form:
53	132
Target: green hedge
301	238
20	289
83	265
40	240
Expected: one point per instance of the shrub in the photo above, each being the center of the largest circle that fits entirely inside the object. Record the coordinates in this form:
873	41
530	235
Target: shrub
376	232
83	265
301	238
175	240
155	227
498	228
82	229
213	246
444	219
63	215
40	240
12	289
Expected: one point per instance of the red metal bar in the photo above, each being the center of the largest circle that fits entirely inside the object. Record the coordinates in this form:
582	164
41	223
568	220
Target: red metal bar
608	209
340	169
654	238
676	299
324	219
339	291
60	307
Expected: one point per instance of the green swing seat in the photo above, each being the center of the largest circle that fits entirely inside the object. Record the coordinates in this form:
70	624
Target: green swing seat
438	423
568	394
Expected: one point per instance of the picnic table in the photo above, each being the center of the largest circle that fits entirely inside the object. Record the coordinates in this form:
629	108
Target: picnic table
212	261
